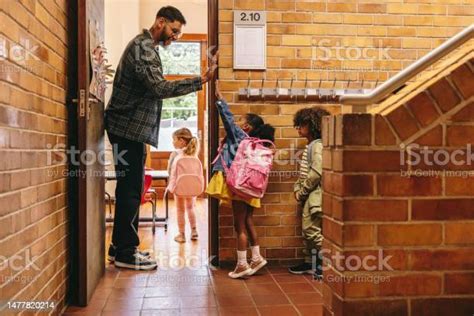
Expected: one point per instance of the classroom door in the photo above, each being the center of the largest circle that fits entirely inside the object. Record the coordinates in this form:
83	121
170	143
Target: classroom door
90	228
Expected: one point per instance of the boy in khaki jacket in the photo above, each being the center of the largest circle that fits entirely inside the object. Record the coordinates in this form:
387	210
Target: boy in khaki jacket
307	189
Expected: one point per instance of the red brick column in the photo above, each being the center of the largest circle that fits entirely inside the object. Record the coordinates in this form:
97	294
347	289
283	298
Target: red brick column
425	222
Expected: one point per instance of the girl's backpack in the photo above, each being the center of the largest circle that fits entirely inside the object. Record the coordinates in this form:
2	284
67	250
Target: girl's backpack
186	177
248	174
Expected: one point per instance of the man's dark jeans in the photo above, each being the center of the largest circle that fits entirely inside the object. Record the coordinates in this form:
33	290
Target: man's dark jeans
129	161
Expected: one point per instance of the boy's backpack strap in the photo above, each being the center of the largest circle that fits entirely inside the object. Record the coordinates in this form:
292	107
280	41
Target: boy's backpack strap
310	150
309	154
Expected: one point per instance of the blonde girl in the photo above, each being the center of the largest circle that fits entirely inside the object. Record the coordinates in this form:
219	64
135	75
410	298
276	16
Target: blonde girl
186	145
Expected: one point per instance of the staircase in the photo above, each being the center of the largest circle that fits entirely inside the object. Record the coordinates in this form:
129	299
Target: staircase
378	201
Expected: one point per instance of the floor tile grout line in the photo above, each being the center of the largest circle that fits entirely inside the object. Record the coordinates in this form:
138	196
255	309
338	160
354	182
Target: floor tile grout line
252	298
314	286
286	295
213	290
107	298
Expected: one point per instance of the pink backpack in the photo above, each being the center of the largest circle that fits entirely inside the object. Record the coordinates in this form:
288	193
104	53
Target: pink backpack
186	177
248	174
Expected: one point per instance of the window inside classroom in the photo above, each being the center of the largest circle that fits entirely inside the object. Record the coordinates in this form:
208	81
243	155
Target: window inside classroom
180	60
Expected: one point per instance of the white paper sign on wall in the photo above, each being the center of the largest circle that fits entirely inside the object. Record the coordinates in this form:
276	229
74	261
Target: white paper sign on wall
250	40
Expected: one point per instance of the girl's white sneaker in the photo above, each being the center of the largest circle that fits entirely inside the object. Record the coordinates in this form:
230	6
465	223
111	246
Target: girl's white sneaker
240	271
257	265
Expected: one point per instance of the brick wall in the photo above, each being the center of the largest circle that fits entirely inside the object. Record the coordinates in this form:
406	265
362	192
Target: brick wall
425	221
33	119
322	40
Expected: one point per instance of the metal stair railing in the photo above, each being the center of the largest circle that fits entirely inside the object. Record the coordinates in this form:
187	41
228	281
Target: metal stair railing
397	81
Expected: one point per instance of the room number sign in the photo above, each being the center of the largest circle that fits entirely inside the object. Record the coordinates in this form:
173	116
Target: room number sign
250	40
250	16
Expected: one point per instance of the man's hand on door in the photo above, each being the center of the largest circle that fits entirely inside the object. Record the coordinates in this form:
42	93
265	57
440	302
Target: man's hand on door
212	68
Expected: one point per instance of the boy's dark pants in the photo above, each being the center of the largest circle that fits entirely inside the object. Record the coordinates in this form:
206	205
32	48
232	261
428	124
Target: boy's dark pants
129	161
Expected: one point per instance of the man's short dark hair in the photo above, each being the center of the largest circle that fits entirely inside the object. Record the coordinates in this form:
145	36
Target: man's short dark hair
171	14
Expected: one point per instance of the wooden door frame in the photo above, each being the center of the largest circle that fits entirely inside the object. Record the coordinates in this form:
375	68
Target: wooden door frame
79	292
82	192
213	131
73	190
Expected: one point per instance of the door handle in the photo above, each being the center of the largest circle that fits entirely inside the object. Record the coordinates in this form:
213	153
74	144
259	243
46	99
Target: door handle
82	103
90	100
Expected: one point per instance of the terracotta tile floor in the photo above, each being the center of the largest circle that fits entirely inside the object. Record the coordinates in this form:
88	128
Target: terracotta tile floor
184	285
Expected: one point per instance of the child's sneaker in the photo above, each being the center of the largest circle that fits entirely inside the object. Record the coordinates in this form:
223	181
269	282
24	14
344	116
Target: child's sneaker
194	234
303	268
180	238
257	265
240	271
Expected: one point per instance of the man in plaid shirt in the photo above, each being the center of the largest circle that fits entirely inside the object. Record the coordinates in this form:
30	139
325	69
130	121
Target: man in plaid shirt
132	119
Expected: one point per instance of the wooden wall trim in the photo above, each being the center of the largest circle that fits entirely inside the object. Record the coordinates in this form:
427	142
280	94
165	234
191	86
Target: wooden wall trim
213	125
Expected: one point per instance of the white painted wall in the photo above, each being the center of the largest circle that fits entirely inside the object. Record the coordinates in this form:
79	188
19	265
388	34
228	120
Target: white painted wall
194	11
121	25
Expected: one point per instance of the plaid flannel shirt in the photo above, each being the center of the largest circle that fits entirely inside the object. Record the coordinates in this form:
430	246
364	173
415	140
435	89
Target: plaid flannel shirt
134	109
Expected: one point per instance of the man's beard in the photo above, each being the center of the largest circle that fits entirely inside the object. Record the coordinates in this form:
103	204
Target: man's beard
163	39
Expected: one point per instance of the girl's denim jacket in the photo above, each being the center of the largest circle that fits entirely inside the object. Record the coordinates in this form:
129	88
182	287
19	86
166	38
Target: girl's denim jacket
234	135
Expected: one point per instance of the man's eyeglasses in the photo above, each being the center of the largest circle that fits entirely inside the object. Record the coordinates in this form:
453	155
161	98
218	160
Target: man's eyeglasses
176	33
